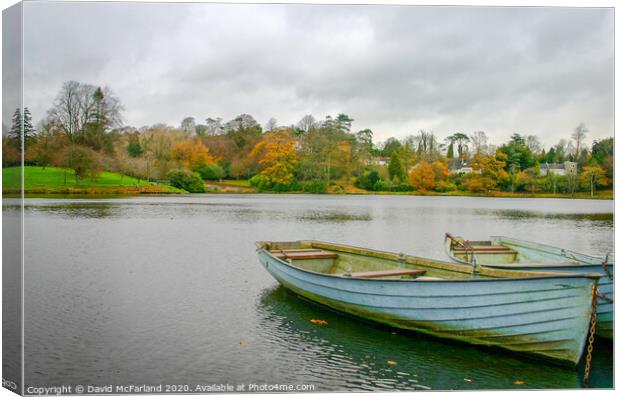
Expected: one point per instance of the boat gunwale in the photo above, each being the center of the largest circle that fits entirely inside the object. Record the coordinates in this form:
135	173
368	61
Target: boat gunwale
502	266
494	274
551	247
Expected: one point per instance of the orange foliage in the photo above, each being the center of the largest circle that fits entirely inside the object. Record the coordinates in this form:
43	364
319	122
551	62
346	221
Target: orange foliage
276	152
422	177
192	154
440	170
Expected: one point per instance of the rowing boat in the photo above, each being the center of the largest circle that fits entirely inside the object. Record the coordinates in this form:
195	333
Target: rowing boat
542	314
509	253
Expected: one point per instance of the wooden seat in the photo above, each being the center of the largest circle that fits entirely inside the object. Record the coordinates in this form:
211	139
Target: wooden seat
388	273
533	265
483	248
300	254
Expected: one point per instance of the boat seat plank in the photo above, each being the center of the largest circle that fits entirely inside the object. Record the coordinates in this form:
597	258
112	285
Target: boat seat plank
308	254
533	265
388	273
483	248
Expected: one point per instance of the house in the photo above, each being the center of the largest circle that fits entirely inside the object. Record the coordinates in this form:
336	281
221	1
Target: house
458	166
463	170
379	161
558	168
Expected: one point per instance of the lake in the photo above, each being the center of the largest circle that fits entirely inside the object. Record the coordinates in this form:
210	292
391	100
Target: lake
168	290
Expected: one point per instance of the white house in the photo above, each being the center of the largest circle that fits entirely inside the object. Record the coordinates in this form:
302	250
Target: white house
558	168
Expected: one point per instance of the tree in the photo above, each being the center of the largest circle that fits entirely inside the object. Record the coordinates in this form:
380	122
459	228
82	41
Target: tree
77	105
307	123
593	176
192	154
391	146
214	126
271	124
603	155
517	155
278	157
479	142
15	133
83	161
533	143
395	168
343	122
422	177
579	134
134	149
188	125
461	141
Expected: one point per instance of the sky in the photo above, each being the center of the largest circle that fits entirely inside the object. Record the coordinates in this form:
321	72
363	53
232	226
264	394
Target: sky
393	69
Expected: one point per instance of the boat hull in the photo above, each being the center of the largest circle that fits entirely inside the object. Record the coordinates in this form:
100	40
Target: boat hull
547	317
582	263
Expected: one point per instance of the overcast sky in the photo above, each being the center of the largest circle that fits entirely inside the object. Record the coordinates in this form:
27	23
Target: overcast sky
394	69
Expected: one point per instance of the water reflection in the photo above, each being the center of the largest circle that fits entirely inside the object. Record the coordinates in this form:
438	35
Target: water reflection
361	350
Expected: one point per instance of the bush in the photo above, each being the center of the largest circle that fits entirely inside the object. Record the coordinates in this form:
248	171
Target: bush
186	180
383	186
403	187
211	172
368	180
314	187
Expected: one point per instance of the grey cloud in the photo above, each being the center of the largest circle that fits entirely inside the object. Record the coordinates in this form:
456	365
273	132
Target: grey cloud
394	69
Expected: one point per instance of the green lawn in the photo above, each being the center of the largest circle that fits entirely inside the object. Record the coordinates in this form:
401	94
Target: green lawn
234	182
52	179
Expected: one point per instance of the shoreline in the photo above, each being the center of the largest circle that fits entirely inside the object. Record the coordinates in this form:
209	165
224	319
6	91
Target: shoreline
136	192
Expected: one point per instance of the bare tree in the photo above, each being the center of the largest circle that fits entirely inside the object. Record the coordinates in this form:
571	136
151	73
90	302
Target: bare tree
307	123
533	143
479	141
271	124
578	136
78	104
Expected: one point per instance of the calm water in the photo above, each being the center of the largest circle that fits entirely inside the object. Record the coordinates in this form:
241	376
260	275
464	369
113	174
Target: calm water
168	290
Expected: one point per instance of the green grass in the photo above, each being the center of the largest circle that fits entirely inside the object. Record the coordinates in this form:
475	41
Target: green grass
52	180
233	182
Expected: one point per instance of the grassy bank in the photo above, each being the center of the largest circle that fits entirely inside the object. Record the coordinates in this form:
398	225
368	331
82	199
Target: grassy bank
243	186
52	180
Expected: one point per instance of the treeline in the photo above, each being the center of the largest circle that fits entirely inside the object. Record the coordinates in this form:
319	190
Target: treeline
83	131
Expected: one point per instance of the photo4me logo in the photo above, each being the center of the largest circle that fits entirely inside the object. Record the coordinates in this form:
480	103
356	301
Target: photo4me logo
9	384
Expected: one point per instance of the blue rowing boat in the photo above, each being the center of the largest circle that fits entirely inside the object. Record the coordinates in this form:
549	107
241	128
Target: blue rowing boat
544	314
509	253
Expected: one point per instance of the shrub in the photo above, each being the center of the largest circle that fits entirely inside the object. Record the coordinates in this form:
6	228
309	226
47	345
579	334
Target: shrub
368	180
186	180
383	186
314	187
403	187
211	172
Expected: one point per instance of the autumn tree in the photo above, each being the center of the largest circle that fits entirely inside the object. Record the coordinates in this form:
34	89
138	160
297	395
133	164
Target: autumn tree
192	154
278	158
593	176
422	177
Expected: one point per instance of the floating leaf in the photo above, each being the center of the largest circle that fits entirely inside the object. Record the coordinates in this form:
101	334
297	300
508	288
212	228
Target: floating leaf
318	322
392	362
519	382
